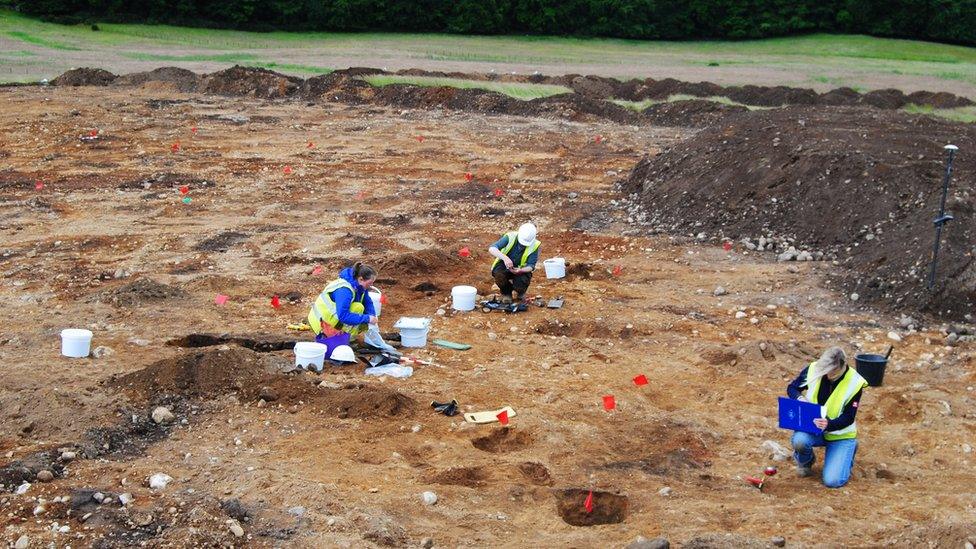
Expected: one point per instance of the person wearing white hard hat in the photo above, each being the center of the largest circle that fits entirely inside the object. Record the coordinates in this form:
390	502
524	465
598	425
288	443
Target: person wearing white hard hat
516	254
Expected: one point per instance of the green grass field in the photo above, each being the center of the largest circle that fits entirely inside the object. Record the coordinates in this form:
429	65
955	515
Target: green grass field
32	49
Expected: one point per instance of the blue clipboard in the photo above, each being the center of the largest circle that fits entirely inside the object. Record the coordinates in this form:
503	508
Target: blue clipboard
797	415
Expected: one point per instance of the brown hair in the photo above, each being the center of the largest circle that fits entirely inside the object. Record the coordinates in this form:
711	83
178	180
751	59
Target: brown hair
363	271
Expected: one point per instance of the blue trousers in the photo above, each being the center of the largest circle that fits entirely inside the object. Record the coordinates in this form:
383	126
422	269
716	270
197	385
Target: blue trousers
838	459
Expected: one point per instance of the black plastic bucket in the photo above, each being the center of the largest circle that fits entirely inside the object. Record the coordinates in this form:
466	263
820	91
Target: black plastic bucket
871	368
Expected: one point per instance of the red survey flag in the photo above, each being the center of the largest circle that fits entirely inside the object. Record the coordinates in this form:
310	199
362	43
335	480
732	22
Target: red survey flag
193	130
317	270
176	147
588	503
185	189
464	252
598	139
420	138
287	170
727	246
468	176
617	270
609	403
275	302
221	299
311	145
93	133
499	193
503	417
38	185
640	380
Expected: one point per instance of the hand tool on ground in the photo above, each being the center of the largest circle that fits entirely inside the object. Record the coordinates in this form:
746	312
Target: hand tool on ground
299	327
760	482
451	345
943	216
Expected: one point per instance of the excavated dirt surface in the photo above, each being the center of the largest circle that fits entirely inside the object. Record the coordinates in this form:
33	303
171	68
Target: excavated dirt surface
861	186
341	459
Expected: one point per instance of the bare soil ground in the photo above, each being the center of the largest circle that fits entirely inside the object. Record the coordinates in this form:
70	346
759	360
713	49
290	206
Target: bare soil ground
107	243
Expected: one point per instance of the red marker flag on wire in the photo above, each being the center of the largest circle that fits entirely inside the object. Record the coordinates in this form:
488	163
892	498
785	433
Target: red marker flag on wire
287	170
221	299
275	302
468	176
617	270
420	138
38	185
640	380
499	193
93	133
503	417
588	503
317	270
176	147
609	403
193	130
311	145
184	189
464	252
727	246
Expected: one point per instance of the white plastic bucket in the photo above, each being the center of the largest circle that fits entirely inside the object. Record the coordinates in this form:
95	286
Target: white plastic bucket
413	331
309	353
75	343
463	297
555	267
376	296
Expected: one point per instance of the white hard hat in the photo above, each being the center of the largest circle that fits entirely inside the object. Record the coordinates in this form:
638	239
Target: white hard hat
526	234
343	353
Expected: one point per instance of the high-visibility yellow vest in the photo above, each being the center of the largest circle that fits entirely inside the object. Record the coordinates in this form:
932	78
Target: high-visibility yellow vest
849	385
512	239
324	309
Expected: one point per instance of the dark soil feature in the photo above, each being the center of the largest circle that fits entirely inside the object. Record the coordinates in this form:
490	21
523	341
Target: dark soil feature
261	343
659	447
536	473
85	76
249	375
24	470
586	271
221	242
166	180
472	477
826	178
502	440
426	286
608	508
139	292
132	436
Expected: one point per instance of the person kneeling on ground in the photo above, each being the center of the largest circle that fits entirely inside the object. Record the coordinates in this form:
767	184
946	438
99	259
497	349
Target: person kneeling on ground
344	305
837	388
515	255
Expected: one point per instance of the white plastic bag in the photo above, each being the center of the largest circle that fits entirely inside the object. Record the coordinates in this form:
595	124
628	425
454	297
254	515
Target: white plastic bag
373	338
392	370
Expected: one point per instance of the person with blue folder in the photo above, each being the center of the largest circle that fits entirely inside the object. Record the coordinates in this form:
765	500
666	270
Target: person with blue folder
836	388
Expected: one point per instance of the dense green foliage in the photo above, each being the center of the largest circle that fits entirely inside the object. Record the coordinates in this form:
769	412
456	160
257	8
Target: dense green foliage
936	20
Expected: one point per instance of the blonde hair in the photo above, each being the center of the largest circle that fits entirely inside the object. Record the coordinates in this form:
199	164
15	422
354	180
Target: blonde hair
830	360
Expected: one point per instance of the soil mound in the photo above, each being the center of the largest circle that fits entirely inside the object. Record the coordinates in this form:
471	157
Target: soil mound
860	185
141	291
251	82
180	79
253	376
594	87
695	113
416	263
472	477
85	76
336	86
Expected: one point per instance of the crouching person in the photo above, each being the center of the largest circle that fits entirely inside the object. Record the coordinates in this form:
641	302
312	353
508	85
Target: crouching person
836	387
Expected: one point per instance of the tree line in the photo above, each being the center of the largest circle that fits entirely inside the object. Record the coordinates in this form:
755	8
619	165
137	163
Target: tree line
952	21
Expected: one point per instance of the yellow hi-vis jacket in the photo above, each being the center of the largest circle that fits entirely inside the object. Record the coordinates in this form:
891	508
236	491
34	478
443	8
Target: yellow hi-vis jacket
512	239
324	309
849	385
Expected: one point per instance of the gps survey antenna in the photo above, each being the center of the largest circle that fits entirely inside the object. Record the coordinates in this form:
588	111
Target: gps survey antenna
943	216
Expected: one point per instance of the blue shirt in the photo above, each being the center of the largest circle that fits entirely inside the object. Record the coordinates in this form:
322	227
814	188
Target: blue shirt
343	298
515	254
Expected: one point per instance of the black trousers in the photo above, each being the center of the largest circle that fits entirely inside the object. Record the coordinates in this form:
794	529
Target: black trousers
508	281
